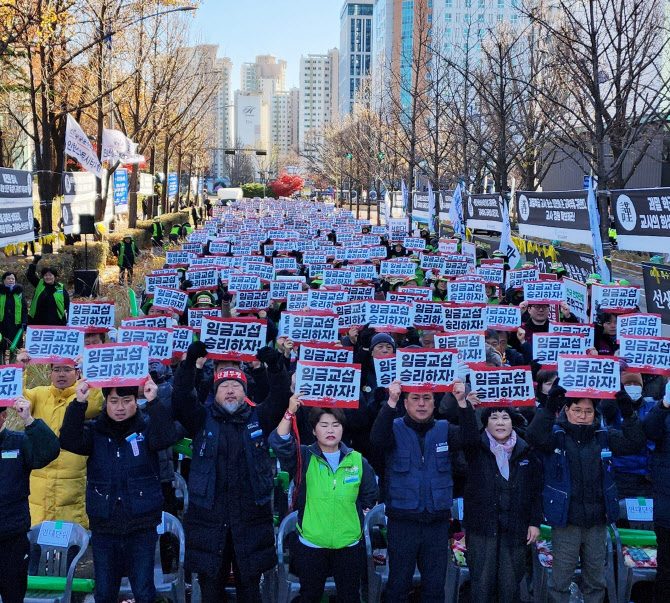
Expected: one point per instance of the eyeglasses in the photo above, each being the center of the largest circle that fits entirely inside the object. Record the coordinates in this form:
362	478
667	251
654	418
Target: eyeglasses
581	413
62	370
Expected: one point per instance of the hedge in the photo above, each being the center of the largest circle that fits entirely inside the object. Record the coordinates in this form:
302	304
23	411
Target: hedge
142	234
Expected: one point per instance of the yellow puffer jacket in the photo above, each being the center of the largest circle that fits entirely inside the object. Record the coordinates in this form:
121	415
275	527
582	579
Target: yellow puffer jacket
57	492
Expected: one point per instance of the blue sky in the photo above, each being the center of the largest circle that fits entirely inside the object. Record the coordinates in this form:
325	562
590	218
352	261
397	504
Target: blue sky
285	28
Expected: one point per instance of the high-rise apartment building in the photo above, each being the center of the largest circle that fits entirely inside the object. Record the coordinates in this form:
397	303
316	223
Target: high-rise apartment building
266	66
355	53
284	121
318	96
203	59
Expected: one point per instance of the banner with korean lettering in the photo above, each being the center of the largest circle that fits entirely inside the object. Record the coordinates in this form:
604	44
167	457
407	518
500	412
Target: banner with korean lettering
351	314
466	292
195	315
484	212
182	338
615	299
360	292
514	279
179	259
279	290
168	281
464	317
645	354
233	338
92	316
471	346
203	280
310	326
389	317
385	370
642	325
657	290
398	228
243	282
429	315
425	293
54	345
586	376
544	292
159	321
173	300
327	352
642	218
328	384
318	299
11	383
493	275
574	328
338	277
554	215
547	347
576	296
397	268
116	364
159	340
16	207
503	386
422	370
503	318
252	301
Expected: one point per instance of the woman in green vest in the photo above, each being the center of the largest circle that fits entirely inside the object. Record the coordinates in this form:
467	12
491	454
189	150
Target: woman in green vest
333	487
51	301
13	310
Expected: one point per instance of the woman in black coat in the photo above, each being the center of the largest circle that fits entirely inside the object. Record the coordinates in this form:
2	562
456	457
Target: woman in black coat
502	507
13	310
657	429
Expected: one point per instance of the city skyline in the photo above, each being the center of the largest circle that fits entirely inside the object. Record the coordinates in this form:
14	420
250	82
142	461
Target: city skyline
272	34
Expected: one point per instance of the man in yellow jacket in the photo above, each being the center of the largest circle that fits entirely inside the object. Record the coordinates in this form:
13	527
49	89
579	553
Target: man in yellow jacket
57	492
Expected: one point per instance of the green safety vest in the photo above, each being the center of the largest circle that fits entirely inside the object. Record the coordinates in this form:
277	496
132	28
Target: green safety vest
332	498
123	251
17	307
175	230
188	229
612	233
156	229
58	298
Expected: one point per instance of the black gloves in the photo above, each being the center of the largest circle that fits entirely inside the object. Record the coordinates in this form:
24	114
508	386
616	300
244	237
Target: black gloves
270	357
365	337
609	409
385	286
36	259
626	405
555	398
186	285
195	351
226	297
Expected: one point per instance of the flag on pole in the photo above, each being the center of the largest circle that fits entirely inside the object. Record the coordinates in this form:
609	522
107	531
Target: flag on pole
507	245
387	207
116	146
78	145
431	208
403	189
594	223
456	212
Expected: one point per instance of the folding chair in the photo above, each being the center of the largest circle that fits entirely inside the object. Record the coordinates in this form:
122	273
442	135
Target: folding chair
181	493
55	579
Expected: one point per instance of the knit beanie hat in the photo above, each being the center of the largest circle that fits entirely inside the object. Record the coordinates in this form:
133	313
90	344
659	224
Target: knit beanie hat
230	375
382	338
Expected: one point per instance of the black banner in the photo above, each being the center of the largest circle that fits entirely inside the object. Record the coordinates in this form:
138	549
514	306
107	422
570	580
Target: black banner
483	212
444	203
642	218
420	212
554	215
579	265
16	206
657	290
538	254
489	244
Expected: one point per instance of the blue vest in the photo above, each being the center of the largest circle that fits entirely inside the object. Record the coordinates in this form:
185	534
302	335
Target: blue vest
557	485
202	477
129	472
419	483
640	463
14	484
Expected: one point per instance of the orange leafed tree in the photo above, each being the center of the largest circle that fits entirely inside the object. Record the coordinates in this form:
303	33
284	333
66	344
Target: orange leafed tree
287	184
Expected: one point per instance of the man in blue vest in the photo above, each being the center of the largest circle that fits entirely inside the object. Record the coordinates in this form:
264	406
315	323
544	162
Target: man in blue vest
418	487
229	517
22	451
580	496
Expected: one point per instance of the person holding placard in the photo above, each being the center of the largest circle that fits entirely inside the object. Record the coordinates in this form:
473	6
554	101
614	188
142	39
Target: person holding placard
580	496
336	484
538	322
657	428
22	452
51	300
231	481
123	490
418	487
13	312
57	491
604	333
502	507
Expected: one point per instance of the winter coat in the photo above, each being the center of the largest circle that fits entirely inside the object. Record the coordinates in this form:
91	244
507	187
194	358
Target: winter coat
127	254
493	506
657	428
9	326
228	500
368	491
587	481
57	492
605	344
46	310
22	452
123	489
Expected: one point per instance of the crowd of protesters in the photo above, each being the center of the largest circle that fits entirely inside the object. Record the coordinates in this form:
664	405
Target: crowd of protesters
97	457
